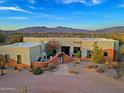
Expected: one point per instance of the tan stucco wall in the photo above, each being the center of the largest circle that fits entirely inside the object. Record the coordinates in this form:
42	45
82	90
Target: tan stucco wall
72	42
75	42
34	53
101	44
84	43
112	46
62	41
14	51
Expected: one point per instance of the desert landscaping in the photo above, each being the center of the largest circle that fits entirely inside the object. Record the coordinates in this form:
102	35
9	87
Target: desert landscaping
61	81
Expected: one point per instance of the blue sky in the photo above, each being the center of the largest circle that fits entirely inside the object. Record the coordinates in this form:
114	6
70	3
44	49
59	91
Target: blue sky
84	14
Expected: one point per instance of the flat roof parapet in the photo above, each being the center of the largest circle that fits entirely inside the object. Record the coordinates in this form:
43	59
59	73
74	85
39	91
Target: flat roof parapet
98	39
24	44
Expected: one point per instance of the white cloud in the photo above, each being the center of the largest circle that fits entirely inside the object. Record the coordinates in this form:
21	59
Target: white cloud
32	1
121	6
14	9
20	18
96	1
72	1
32	7
87	2
52	16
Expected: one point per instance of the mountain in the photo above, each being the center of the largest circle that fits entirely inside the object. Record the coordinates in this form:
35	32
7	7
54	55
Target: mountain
112	29
46	29
60	29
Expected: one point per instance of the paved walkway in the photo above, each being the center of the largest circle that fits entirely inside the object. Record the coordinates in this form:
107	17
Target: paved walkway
87	81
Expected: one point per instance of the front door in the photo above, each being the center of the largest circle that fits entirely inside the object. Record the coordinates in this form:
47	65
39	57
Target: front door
7	58
19	59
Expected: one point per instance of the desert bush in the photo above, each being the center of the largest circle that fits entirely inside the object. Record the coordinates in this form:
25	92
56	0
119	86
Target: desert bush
51	66
15	68
76	62
92	66
115	64
109	64
100	70
106	63
119	71
37	71
122	50
72	71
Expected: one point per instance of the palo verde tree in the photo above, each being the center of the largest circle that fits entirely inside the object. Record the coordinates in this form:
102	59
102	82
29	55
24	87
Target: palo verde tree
97	54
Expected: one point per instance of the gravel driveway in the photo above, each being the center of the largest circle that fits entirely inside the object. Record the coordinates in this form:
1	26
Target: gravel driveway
87	81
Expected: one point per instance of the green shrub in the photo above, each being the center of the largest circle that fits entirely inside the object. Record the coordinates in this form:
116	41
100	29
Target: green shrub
49	54
72	71
51	66
78	54
37	71
106	63
122	50
76	62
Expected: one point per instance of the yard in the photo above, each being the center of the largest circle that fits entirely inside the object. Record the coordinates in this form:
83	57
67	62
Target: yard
60	81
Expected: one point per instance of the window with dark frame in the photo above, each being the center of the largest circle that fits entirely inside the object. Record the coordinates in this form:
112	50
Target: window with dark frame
76	49
105	53
89	53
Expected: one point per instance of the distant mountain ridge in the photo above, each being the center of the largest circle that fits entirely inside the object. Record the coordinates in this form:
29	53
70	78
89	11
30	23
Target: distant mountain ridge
113	29
39	29
61	29
54	29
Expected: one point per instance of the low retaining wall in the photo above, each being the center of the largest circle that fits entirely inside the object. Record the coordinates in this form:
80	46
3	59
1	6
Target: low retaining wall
85	59
55	60
14	64
109	59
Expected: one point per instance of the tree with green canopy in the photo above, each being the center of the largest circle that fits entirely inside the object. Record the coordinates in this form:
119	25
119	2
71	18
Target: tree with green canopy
97	54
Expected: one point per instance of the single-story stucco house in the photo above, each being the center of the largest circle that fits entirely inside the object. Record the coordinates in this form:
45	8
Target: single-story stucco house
32	48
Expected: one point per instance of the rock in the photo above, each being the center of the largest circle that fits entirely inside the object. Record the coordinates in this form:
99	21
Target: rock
92	66
100	70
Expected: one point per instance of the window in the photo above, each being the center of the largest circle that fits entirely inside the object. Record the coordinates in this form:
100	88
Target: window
89	53
76	49
44	57
105	53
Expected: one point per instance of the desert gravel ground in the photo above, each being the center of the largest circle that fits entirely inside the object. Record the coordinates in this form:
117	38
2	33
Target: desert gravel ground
87	81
